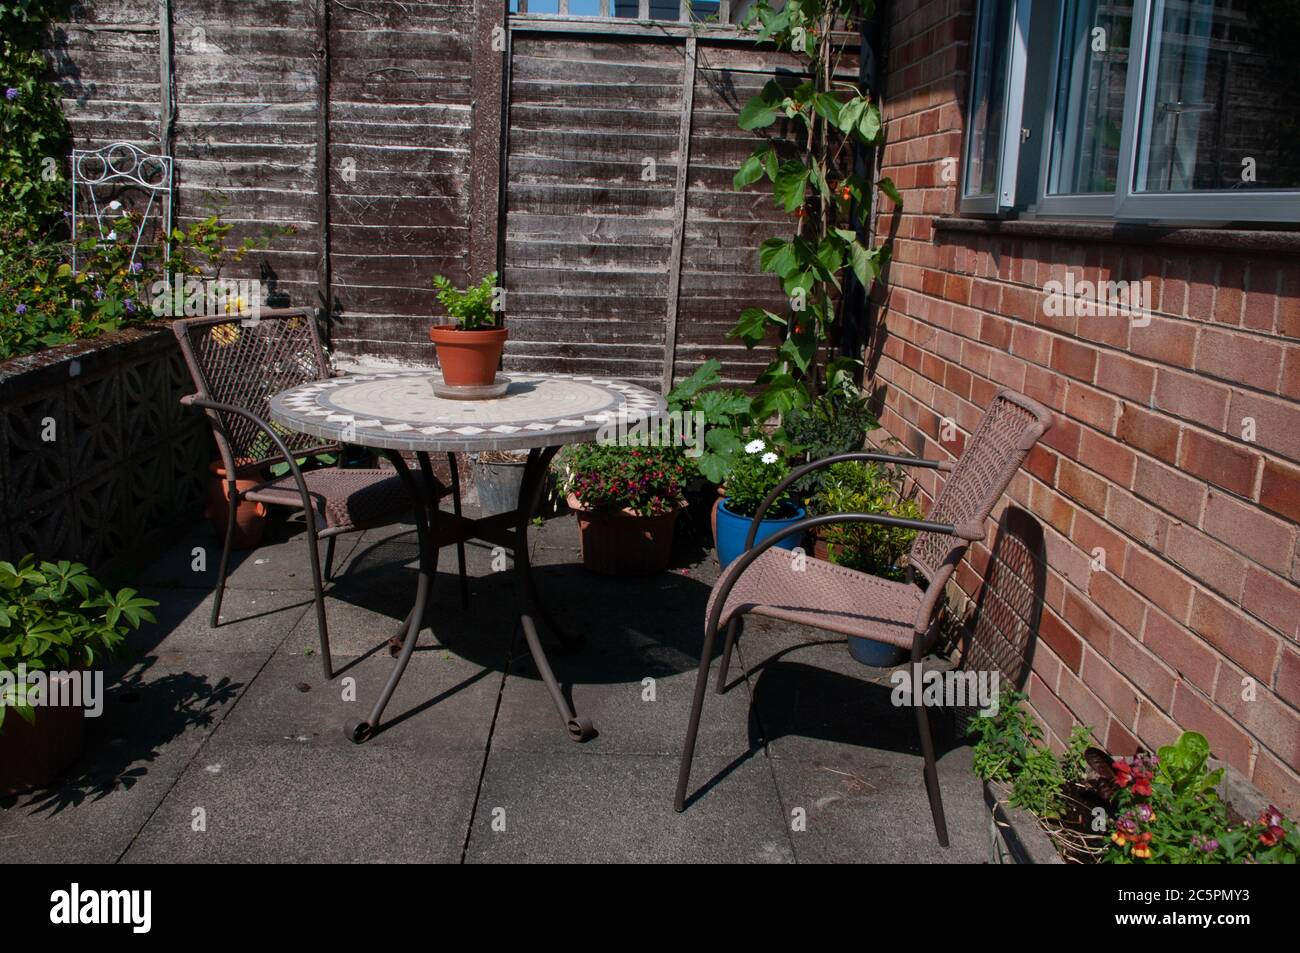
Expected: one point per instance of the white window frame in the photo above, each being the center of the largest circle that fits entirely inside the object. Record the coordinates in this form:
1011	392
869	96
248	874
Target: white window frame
1126	204
1003	197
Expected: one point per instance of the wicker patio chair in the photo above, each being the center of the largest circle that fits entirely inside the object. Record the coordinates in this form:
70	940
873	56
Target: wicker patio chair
237	367
764	580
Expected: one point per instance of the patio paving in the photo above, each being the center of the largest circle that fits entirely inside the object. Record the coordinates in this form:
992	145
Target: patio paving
227	744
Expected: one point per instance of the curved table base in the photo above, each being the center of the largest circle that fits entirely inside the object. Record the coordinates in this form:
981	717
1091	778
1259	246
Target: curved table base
431	537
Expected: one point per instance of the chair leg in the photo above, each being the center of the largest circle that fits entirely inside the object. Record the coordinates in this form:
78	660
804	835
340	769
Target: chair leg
224	568
927	749
329	559
318	591
697	706
733	628
460	547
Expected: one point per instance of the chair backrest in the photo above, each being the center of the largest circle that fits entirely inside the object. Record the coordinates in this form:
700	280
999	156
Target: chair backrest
1011	426
245	362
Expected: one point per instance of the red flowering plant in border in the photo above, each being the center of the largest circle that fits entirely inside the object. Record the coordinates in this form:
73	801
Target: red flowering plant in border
1169	812
646	481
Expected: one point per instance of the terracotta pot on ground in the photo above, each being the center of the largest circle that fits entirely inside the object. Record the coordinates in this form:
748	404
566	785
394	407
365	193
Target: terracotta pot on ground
622	543
468	358
33	756
250	517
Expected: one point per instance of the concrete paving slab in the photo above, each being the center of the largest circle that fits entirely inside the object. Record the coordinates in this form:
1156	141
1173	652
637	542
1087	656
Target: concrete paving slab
157	714
314	803
587	808
443	704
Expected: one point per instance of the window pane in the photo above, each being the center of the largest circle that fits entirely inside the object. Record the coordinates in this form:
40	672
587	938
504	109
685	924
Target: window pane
1090	97
1221	113
988	96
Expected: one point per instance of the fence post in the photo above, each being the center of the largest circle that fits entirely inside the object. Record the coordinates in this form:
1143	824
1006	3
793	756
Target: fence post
679	214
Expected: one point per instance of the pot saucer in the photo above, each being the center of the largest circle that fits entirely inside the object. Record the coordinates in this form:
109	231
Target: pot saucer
497	388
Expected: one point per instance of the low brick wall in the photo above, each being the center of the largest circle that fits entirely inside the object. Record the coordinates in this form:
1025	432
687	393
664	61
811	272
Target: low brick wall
1176	454
98	460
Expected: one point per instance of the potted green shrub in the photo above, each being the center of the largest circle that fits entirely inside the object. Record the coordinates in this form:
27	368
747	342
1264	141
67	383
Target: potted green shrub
627	500
755	472
469	348
56	619
853	487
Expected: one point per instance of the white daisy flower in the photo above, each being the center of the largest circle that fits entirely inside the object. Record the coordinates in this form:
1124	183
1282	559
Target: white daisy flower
112	236
769	457
115	205
755	446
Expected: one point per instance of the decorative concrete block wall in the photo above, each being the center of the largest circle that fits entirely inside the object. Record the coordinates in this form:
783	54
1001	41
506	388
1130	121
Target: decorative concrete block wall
99	462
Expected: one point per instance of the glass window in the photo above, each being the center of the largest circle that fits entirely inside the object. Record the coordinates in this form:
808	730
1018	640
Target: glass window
1092	79
1219	110
986	121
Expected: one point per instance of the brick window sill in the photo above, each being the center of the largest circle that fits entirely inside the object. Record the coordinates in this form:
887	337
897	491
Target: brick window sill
1240	240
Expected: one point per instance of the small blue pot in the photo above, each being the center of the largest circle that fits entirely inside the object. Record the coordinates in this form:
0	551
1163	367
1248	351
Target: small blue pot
732	530
876	654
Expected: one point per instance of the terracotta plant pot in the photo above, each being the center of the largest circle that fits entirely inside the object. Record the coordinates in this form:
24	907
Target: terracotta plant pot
33	756
250	517
468	358
624	543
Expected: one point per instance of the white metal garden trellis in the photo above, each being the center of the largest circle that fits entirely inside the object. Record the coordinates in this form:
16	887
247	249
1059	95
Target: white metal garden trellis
112	169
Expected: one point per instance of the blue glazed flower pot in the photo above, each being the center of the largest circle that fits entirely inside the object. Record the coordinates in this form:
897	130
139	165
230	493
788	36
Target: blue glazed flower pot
876	654
732	530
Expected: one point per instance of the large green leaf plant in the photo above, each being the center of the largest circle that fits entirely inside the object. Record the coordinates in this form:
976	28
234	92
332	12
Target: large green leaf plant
828	116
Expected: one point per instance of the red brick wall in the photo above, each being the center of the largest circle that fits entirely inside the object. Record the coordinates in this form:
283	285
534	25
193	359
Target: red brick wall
1147	459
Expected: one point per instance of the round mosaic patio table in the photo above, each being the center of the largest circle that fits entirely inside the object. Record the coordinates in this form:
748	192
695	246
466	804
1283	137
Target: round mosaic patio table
397	411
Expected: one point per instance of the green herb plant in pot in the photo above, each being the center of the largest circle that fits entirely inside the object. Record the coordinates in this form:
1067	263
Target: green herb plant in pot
755	473
56	622
469	348
853	487
627	500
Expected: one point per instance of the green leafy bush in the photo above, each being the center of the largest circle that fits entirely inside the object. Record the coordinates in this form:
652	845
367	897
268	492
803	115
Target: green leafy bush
1168	812
1008	749
648	481
43	303
852	487
755	473
34	134
56	616
472	308
726	415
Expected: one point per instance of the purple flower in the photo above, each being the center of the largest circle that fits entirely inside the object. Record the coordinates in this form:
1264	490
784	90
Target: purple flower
99	294
136	267
21	309
1210	846
11	94
130	305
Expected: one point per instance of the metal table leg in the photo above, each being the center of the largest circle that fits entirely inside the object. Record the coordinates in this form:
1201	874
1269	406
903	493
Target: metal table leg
579	727
424	498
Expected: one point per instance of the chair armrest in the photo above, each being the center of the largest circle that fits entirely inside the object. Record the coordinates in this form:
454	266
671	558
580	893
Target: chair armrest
807	468
216	409
731	574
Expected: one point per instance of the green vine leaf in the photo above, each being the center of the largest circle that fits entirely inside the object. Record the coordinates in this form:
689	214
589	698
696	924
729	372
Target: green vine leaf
791	186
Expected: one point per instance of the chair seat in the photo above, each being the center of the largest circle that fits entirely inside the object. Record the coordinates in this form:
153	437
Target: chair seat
825	596
345	499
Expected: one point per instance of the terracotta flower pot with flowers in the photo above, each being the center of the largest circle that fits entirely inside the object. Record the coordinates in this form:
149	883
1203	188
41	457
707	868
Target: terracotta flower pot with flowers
469	348
627	500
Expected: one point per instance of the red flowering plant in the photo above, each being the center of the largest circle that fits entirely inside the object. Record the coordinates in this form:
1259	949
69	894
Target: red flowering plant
644	480
1168	811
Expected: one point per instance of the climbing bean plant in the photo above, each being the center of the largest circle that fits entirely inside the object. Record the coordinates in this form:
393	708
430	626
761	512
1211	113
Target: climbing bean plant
829	117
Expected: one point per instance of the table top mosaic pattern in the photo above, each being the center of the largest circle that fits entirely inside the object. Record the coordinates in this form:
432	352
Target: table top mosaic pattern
398	410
